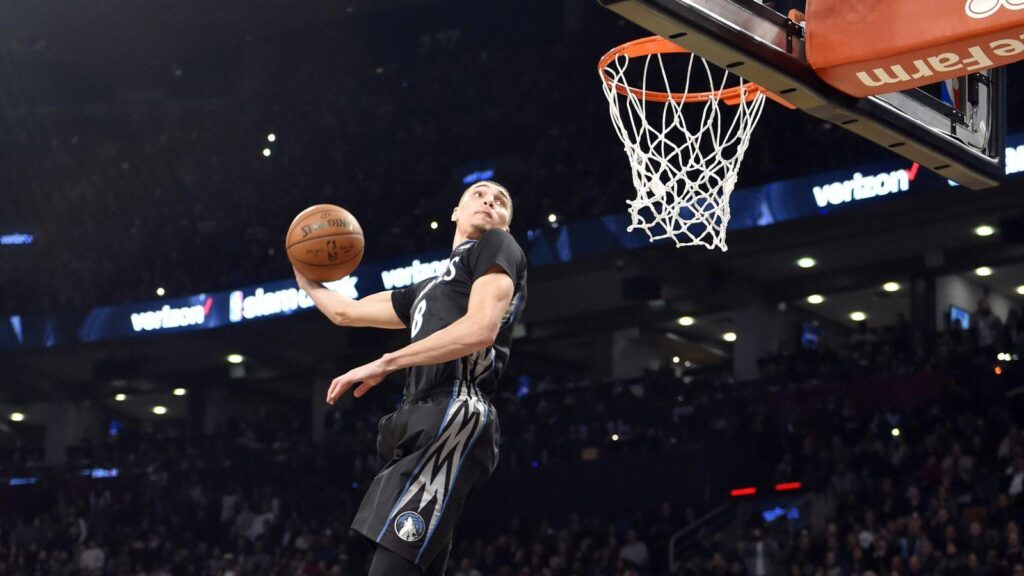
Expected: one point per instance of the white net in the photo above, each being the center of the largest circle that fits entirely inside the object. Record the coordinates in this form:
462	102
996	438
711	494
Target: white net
684	155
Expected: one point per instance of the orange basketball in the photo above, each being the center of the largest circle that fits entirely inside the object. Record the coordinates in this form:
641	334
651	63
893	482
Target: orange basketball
324	243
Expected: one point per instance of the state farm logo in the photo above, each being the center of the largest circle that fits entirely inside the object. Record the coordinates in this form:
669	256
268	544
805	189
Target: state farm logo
986	8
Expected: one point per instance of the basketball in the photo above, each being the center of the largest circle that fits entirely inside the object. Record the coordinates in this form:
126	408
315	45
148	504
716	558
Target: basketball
324	243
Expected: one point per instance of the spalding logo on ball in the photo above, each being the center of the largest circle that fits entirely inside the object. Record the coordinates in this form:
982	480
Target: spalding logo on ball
324	243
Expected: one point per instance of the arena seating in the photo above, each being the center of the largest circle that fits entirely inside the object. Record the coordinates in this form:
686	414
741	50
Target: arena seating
942	497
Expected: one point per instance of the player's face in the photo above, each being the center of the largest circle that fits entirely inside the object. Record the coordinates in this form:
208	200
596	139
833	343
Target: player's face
483	206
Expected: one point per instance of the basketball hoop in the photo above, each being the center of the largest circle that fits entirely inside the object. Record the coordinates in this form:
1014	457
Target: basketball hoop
684	160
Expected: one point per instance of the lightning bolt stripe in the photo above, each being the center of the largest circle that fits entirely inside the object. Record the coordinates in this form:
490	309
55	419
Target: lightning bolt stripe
445	456
477	366
394	510
437	515
435	474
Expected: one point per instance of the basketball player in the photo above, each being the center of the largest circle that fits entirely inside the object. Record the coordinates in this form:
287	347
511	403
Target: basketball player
443	440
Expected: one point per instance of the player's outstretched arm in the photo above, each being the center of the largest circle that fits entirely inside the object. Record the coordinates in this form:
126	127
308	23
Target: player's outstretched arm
373	311
489	300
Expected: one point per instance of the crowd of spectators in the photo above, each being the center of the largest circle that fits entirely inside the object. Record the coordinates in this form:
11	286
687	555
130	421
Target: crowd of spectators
943	495
917	469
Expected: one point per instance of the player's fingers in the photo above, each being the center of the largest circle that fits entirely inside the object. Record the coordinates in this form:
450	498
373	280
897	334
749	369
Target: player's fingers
336	390
363	388
349	383
345	383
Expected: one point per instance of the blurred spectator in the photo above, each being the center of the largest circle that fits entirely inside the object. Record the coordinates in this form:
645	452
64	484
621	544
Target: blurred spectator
988	329
634	552
466	568
92	558
759	554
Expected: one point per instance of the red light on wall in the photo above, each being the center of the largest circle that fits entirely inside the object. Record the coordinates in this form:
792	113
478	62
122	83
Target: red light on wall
743	492
788	486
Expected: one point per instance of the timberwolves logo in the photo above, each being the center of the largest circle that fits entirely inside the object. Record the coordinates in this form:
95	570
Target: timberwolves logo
409	526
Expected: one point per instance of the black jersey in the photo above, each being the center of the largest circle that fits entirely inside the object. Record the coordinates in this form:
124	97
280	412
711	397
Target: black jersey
435	303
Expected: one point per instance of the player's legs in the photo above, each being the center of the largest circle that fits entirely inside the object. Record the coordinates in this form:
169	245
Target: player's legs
387	563
413	505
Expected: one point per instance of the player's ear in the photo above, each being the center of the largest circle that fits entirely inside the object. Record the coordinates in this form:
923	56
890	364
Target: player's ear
455	214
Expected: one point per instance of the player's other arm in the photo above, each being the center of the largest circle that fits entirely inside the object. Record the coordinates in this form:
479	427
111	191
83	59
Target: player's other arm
373	311
489	299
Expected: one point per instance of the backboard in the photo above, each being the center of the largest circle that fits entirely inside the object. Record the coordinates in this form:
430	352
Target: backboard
962	143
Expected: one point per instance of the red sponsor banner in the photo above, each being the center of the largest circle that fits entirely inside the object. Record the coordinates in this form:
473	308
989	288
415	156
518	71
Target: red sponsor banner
873	47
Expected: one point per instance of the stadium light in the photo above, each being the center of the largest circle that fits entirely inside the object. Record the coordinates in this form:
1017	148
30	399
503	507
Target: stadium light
815	299
1020	289
120	397
891	286
858	316
160	291
675	359
895	432
552	218
271	137
159	410
17	416
433	224
615	437
266	152
235	358
180	391
983	271
984	230
685	321
729	336
806	262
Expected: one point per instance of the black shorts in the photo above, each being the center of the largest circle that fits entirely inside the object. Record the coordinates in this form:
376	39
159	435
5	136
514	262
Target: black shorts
437	451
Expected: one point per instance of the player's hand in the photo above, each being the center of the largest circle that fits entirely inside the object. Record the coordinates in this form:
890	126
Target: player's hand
301	280
366	376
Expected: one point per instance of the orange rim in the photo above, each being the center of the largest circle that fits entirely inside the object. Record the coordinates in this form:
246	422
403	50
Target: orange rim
658	45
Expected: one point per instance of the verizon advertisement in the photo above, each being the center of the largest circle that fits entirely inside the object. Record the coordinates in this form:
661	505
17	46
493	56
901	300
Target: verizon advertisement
173	315
207	311
812	196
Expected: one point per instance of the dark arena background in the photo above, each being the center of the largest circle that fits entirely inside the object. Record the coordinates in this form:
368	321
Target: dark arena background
839	393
